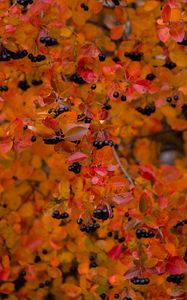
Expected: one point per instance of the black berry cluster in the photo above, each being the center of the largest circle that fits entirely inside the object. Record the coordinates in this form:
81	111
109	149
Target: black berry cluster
43	284
53	140
140	281
23	85
150	77
116	59
20	281
18	55
38	58
84	118
170	65
127	216
75	168
134	56
147	110
116	2
142	233
89	227
3	88
48	41
57	215
77	79
84	6
175	98
101	214
60	111
24	3
93	260
183	42
36	82
175	278
101	144
7	55
180	223
121	239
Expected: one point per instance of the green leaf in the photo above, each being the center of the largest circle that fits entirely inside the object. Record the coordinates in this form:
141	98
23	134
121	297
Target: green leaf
142	205
89	245
102	289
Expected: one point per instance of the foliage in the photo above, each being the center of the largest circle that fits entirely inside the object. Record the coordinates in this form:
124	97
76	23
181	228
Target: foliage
93	149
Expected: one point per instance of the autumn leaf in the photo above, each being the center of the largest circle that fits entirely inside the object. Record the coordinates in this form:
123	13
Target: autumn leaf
115	252
76	132
77	156
176	265
177	31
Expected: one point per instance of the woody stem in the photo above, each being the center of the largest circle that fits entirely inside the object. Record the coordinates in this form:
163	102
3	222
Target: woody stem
121	167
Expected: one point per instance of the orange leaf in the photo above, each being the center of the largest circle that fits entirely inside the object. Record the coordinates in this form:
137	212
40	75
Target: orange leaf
76	132
117	32
133	70
177	31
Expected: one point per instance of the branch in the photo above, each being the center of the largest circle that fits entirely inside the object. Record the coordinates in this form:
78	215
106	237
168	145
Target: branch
121	167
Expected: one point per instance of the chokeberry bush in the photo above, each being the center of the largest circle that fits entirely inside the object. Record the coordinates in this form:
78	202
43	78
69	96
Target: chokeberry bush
93	144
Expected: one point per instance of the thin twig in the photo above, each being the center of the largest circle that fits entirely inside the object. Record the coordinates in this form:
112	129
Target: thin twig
121	167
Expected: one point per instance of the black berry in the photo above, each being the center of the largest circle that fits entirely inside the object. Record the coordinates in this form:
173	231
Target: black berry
115	94
33	138
123	98
150	76
102	57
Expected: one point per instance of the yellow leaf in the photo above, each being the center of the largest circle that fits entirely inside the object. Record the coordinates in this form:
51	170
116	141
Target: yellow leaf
64	189
179	57
26	210
71	290
66	32
150	5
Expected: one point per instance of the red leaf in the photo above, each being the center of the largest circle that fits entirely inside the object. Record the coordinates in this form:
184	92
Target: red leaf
5	145
133	70
177	31
123	198
115	252
163	201
77	156
147	173
50	123
166	13
163	34
131	273
176	265
117	32
85	69
141	86
100	171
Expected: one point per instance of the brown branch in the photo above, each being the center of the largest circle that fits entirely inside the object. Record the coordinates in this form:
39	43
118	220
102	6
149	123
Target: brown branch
126	174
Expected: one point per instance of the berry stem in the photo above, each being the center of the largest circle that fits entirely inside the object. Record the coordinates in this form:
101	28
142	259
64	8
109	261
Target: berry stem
126	174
